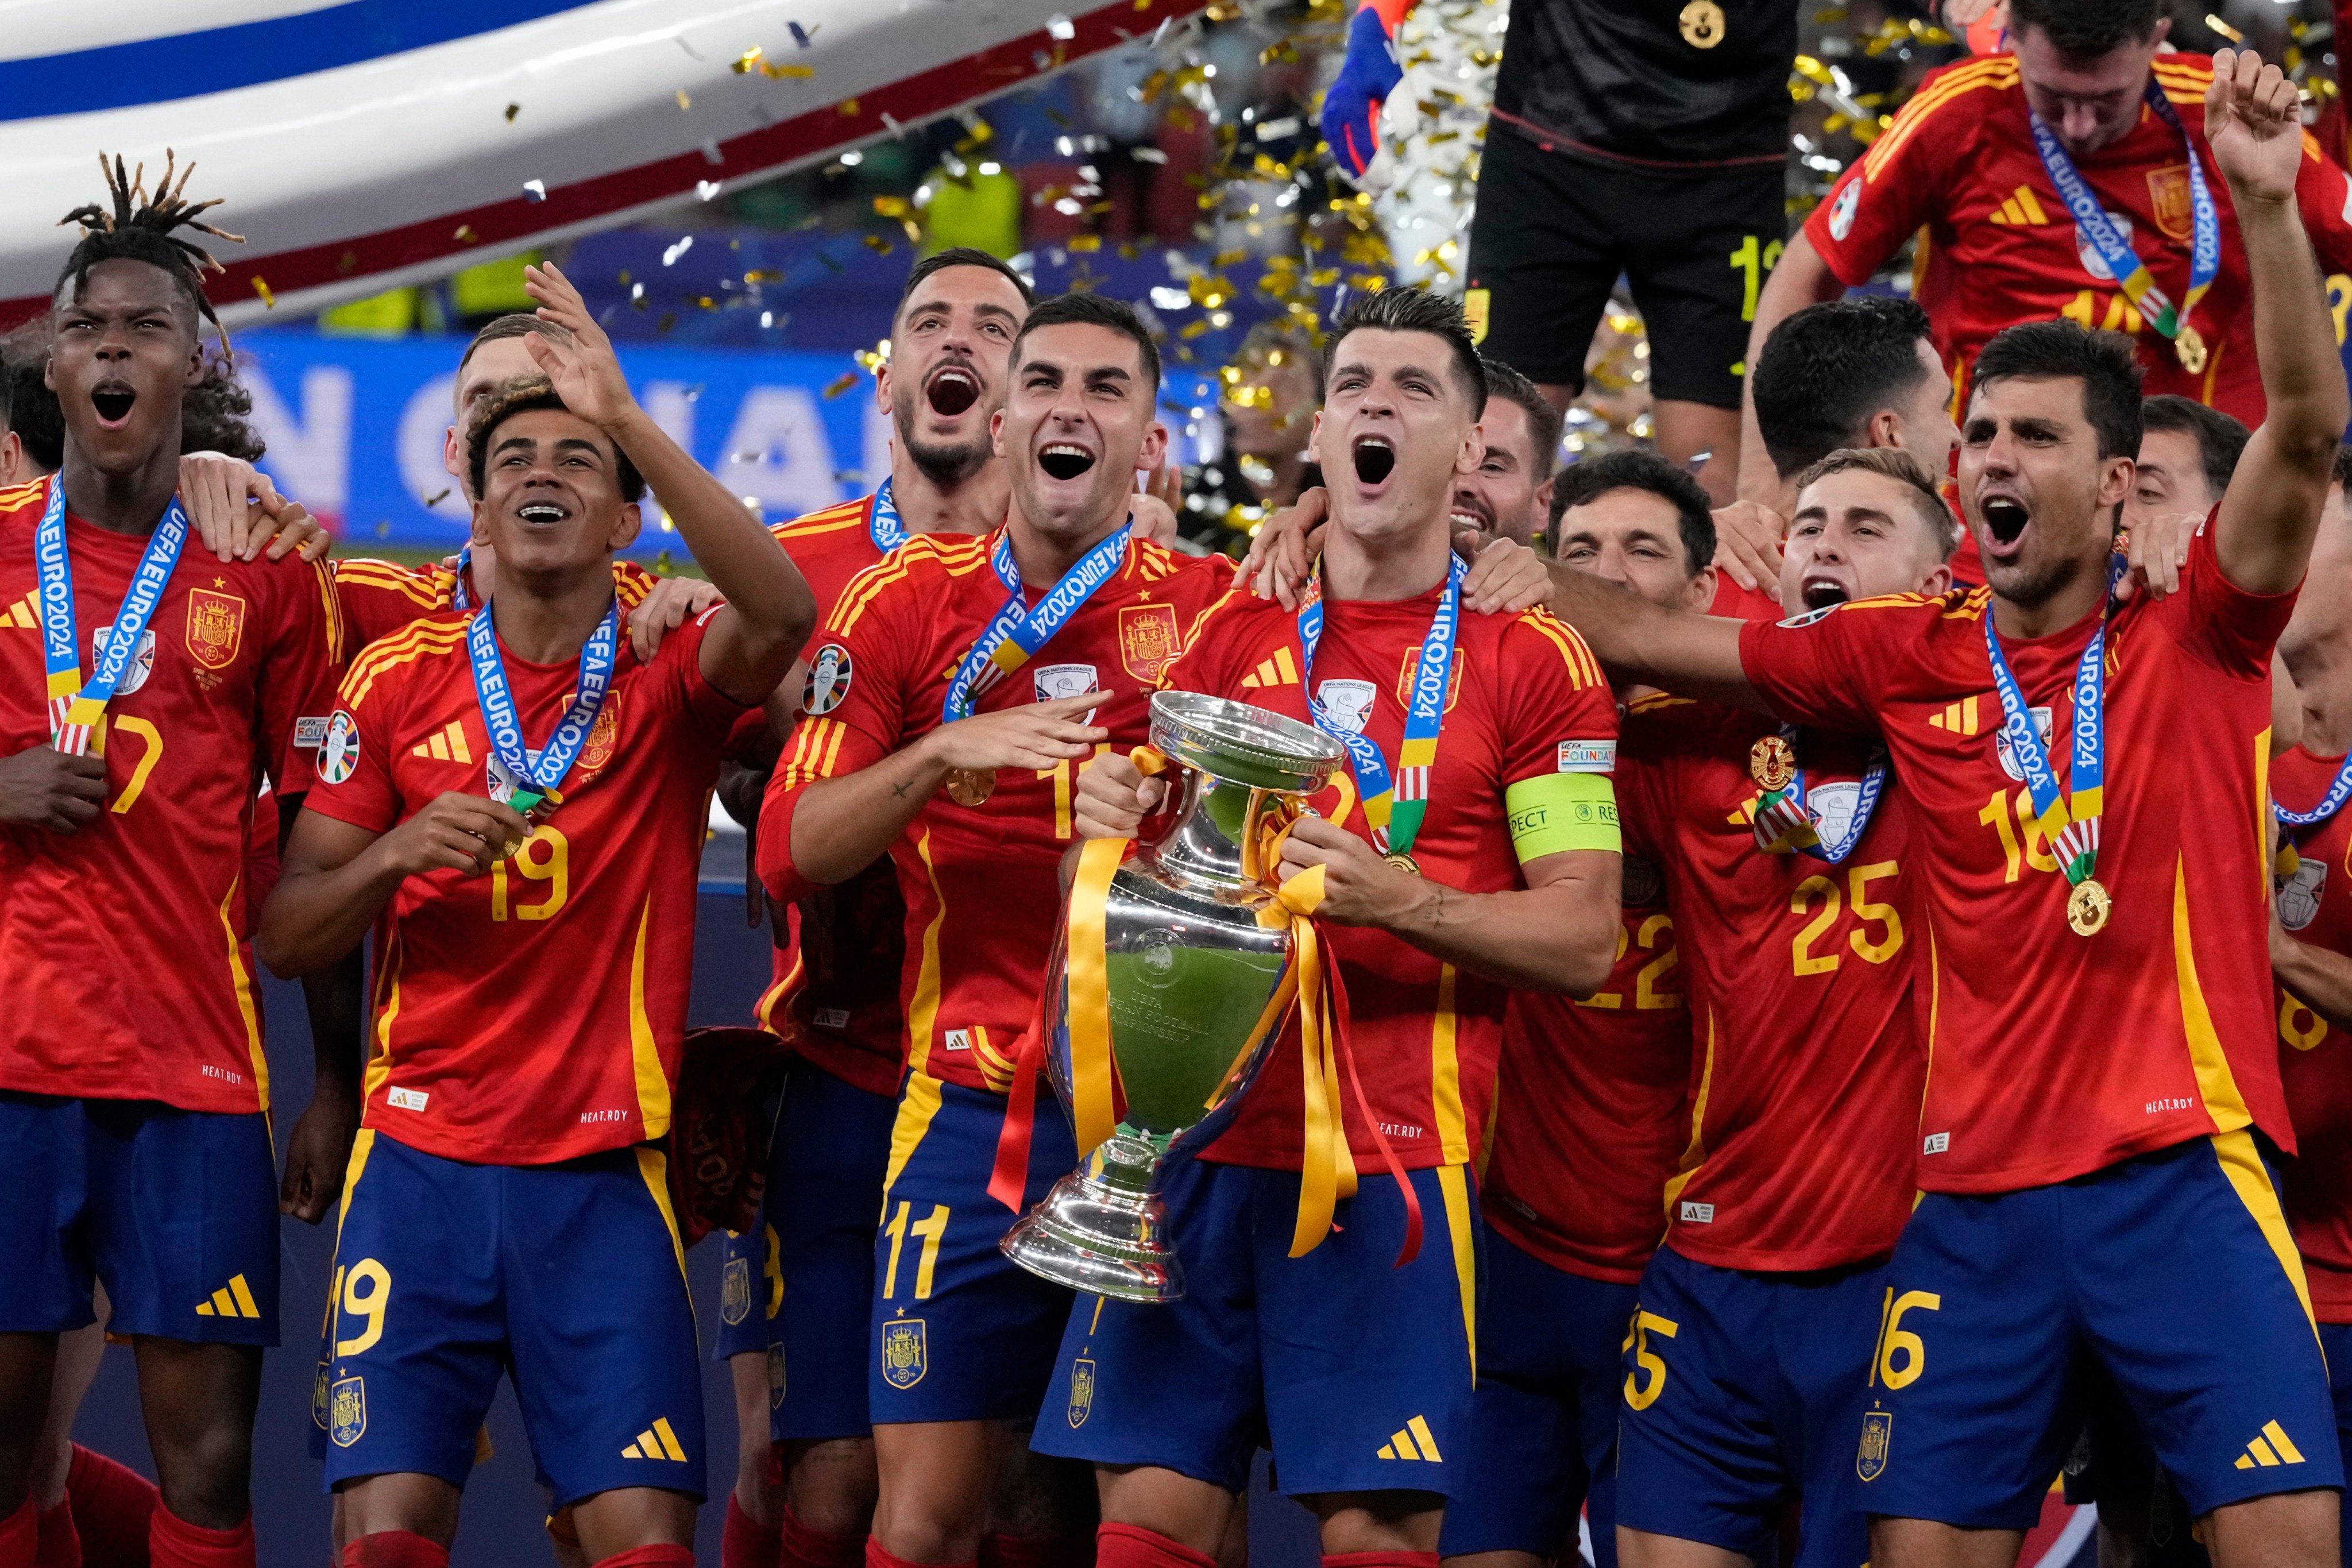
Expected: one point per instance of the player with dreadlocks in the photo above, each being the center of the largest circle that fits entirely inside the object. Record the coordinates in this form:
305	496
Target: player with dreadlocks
133	1088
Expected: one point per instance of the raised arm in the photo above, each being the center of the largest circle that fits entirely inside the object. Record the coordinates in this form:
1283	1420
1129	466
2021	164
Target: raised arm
769	611
2263	531
1690	655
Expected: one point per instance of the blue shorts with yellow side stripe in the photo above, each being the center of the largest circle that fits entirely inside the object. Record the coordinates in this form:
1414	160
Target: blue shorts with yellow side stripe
2173	1272
960	1333
568	1277
1355	1372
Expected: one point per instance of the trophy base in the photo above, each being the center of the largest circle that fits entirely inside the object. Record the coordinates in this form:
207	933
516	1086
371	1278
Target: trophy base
1098	1232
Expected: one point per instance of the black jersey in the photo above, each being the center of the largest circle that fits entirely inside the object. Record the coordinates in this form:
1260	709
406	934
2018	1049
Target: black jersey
1702	85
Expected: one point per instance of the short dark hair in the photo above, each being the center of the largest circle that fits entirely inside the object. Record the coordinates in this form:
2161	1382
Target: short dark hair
137	227
2080	27
1543	419
1828	368
1414	309
1596	476
2104	362
1894	463
513	324
960	256
525	395
2220	440
32	410
2343	473
1095	311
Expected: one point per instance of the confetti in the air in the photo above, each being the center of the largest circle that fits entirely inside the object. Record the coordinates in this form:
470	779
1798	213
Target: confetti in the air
513	110
706	189
685	99
842	383
1060	26
535	190
670	257
466	234
269	300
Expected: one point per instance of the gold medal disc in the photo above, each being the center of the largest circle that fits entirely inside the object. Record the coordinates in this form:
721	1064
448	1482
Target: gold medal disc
2087	907
2189	344
971	786
1773	762
1702	24
1403	862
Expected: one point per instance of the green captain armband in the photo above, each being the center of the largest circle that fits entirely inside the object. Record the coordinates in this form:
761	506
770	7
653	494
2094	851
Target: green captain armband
1555	811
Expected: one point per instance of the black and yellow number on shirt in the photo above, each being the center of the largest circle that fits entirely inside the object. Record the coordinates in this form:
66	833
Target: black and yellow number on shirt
929	1230
1893	1339
1657	930
1867	912
2023	845
361	1293
1648	1378
1063	776
545	857
1752	260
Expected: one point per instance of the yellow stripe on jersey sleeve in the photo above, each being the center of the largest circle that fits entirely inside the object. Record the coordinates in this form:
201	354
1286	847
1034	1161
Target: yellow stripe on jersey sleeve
1992	71
1583	669
404	646
428	590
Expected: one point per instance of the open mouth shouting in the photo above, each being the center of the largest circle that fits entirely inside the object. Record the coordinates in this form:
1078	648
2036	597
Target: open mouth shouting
2005	520
1064	460
1375	460
113	399
1819	593
952	389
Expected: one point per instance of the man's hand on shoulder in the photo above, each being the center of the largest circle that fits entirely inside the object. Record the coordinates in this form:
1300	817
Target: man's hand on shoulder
1505	576
1282	556
667	605
44	787
1748	536
239	513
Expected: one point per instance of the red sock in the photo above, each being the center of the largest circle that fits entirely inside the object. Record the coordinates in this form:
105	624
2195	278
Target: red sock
650	1557
807	1548
173	1542
747	1543
1132	1546
20	1537
395	1549
60	1546
112	1505
1380	1560
875	1557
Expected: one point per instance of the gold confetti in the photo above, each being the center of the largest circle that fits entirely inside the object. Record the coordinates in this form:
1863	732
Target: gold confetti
436	498
891	206
746	62
797	72
513	110
846	106
841	384
466	234
269	300
878	245
685	99
1086	242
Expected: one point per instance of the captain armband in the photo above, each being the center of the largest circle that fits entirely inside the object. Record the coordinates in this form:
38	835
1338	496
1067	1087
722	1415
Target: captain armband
1552	812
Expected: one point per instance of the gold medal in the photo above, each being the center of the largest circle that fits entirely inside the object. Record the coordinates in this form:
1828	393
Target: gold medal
2087	907
1773	762
2189	344
1702	24
1403	862
971	786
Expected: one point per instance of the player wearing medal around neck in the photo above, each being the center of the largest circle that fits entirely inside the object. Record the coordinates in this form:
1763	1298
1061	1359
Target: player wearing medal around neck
1471	850
1792	869
538	901
133	1085
1591	1115
985	674
798	1328
2311	934
2090	818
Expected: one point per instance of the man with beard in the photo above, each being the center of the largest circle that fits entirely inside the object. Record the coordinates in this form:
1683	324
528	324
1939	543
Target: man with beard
799	1292
970	679
1508	495
2106	1084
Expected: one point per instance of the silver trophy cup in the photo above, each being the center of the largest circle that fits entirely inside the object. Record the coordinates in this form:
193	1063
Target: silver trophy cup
1190	972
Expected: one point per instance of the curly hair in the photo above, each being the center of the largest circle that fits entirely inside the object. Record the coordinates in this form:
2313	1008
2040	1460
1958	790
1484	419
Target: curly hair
522	395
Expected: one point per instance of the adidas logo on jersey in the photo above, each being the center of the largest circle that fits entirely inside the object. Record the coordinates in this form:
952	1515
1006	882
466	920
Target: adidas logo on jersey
1960	718
23	613
659	1441
2021	210
446	745
235	1300
1414	1440
1279	670
2270	1450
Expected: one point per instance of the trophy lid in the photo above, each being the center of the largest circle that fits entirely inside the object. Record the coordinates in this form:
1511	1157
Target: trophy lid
1249	745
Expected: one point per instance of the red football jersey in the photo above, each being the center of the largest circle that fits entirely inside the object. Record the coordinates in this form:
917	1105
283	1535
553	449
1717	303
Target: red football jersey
2053	1055
1997	247
536	1013
125	942
981	884
1425	1036
1805	1060
1588	1116
379	598
837	972
2315	904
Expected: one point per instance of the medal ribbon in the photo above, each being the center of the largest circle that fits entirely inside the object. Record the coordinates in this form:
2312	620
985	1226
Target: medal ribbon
882	523
536	773
1784	822
1394	808
2340	790
2122	262
2072	825
1016	633
75	707
458	596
